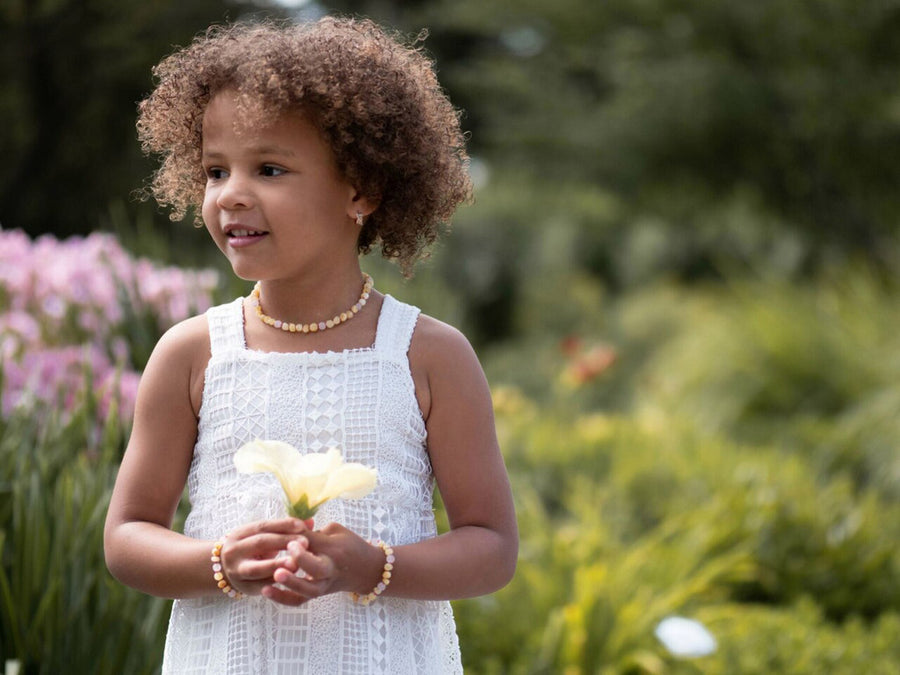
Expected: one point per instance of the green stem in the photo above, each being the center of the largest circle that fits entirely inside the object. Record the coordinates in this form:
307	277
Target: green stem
301	509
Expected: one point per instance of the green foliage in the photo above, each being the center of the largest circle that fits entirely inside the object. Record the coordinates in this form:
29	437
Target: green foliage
60	611
796	639
694	500
625	521
810	367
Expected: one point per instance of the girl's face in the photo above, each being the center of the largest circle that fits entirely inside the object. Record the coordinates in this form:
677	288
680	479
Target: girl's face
275	203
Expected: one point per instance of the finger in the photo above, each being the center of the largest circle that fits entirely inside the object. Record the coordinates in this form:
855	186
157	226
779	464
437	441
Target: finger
276	550
294	548
317	540
297	547
279	526
299	584
283	596
334	528
263	570
316	566
260	545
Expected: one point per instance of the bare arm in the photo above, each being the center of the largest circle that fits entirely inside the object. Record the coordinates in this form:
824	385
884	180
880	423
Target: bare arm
478	554
141	549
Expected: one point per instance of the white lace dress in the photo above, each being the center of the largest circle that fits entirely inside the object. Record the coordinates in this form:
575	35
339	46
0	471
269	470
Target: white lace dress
363	402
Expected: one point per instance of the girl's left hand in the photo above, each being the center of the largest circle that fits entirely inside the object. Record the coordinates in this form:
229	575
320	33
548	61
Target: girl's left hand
336	560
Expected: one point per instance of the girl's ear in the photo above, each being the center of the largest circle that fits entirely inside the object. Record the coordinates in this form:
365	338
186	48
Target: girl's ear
361	204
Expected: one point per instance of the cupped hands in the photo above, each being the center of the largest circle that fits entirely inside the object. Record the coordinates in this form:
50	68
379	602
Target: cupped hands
252	553
333	559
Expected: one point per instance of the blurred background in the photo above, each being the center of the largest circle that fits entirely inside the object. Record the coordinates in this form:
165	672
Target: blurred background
679	273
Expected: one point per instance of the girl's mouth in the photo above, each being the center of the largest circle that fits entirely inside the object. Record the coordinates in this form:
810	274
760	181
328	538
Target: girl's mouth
244	233
239	237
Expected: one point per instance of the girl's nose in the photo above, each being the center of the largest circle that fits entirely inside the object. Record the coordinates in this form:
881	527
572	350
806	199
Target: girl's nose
235	193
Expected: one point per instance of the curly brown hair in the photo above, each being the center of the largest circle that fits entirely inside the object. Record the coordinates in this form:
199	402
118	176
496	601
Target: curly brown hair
375	99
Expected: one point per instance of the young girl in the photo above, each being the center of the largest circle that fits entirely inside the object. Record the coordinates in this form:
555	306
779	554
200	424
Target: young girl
303	146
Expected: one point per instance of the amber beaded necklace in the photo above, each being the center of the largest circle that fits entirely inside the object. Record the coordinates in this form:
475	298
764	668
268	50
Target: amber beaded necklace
314	327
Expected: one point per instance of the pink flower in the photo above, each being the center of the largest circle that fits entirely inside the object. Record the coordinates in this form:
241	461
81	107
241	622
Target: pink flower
121	387
63	308
61	376
21	324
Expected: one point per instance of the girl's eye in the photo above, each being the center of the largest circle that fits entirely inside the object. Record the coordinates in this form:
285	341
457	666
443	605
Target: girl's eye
215	173
271	171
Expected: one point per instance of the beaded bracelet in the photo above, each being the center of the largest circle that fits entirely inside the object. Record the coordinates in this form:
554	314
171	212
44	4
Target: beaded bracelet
219	573
385	576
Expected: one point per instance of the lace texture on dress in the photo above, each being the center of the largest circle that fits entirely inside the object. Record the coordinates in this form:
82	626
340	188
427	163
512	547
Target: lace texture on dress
363	402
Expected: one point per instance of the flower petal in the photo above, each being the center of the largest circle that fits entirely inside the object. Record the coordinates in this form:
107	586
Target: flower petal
315	464
309	477
258	456
351	481
333	458
267	456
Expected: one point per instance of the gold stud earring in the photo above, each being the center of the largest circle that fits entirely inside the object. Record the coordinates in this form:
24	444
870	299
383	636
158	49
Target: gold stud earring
359	218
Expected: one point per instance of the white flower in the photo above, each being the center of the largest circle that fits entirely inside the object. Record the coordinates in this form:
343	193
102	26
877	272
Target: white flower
685	637
308	480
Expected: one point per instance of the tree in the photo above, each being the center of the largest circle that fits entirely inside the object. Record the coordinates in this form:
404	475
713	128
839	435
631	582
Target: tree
705	118
71	73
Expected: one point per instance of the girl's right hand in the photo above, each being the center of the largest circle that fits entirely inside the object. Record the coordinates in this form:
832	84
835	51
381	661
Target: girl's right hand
249	555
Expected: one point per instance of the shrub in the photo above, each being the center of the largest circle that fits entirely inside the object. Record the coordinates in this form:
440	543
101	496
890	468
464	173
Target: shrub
796	639
628	519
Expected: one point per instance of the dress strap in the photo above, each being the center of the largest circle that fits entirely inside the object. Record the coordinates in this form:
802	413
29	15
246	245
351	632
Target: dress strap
395	327
226	326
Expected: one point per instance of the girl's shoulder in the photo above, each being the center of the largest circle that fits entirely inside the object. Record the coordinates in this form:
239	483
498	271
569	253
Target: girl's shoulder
187	339
441	359
432	338
181	357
